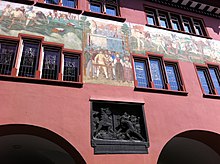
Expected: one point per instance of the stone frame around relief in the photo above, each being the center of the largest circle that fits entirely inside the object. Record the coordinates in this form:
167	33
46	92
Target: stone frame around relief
118	127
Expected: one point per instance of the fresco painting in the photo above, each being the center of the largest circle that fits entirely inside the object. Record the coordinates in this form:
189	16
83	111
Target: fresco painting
173	44
55	26
107	45
107	59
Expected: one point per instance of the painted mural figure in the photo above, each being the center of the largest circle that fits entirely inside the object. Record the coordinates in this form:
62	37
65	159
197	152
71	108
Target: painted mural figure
18	15
108	64
6	13
127	69
100	60
119	68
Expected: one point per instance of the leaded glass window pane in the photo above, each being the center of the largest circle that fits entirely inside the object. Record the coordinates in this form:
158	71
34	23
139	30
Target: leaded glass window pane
71	68
52	1
186	26
175	23
111	11
203	81
198	28
95	8
150	20
140	71
7	56
29	59
163	21
69	3
51	63
215	79
172	77
156	73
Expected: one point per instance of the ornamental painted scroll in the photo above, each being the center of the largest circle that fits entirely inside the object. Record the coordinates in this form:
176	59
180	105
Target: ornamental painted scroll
118	128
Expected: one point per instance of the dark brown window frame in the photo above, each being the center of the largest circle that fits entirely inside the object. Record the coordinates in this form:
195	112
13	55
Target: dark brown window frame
37	77
180	17
11	41
167	89
61	4
205	67
103	14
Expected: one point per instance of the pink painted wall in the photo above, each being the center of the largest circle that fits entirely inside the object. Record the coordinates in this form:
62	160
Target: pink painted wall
66	111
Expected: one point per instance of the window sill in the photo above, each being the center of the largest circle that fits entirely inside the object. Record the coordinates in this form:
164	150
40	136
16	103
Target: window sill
183	32
163	91
211	96
40	81
104	16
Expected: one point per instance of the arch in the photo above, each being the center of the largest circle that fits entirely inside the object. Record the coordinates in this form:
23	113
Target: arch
193	146
43	133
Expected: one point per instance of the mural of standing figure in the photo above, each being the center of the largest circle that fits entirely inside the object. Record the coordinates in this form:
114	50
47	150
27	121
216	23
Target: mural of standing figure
6	13
119	68
127	69
100	60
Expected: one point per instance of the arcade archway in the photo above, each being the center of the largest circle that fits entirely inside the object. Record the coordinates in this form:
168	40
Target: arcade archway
192	147
25	144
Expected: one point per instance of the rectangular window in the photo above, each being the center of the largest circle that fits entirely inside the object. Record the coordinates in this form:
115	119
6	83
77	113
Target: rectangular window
69	3
187	26
95	8
52	2
198	28
8	52
141	73
175	21
29	59
163	21
51	63
203	78
173	76
156	73
209	78
71	67
111	11
214	72
109	7
151	18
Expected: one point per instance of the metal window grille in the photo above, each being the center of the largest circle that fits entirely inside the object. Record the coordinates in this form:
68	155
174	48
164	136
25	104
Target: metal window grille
51	63
71	68
29	59
7	57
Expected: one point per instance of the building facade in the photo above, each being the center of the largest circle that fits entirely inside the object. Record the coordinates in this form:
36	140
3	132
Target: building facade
109	81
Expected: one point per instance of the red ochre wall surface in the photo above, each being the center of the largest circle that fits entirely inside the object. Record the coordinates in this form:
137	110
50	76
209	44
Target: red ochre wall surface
66	111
